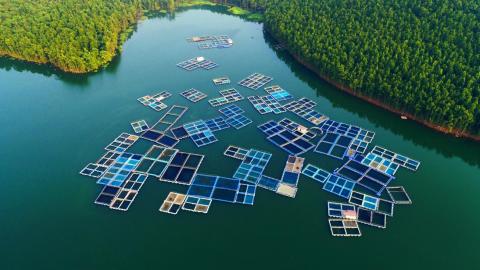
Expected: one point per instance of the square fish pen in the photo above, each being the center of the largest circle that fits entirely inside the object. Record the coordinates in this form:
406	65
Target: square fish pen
255	81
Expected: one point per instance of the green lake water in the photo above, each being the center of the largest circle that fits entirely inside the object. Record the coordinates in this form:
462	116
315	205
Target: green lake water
53	124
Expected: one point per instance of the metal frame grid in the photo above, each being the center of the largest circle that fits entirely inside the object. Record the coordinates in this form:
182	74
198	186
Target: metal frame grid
210	42
238	121
231	110
214	187
170	118
364	200
292	170
300	105
217	123
246	193
179	133
297	128
129	191
200	133
160	138
333	145
173	203
196	204
361	138
108	158
399	195
182	168
255	81
291	142
156	160
401	160
139	126
118	172
236	152
344	227
278	93
371	218
252	166
155	101
221	80
268	183
197	62
193	95
122	143
266	104
365	176
381	164
227	96
339	186
385	207
316	173
342	210
313	116
94	170
106	195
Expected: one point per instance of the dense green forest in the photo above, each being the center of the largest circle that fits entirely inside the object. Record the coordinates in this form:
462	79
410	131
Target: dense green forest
421	57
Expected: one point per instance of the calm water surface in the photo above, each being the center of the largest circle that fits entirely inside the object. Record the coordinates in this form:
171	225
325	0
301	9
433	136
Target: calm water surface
53	124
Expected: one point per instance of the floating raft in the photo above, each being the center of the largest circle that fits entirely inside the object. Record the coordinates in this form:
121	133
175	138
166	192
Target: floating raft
122	143
278	93
182	168
344	227
196	63
291	142
266	104
200	133
227	96
399	195
139	126
210	42
236	152
193	95
155	101
173	203
255	81
221	80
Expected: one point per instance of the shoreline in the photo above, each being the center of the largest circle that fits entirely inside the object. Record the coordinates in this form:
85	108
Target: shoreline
454	132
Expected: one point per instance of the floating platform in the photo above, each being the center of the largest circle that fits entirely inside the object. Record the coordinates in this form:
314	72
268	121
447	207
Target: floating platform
236	152
292	170
129	191
159	137
196	63
156	160
255	81
211	42
291	142
278	93
342	210
221	80
155	101
297	129
238	121
401	160
94	170
182	168
119	171
344	227
266	104
252	167
173	203
139	126
399	195
200	133
316	173
179	133
193	95
227	96
339	186
122	143
268	183
196	204
286	190
365	176
334	145
231	110
371	218
216	124
170	118
377	162
303	107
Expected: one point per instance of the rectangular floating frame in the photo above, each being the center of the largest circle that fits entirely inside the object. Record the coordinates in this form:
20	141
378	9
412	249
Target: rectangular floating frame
196	204
238	121
155	101
252	167
160	138
297	128
139	126
118	172
365	176
401	160
266	104
129	191
339	186
371	218
173	203
156	160
291	142
200	133
108	158
217	123
106	195
221	81
377	162
182	168
333	145
255	81
236	152
179	133
122	143
227	96
196	63
193	95
364	200
344	227
292	170
286	190
342	210
170	118
215	188
94	170
361	138
399	195
316	173
278	93
268	183
231	110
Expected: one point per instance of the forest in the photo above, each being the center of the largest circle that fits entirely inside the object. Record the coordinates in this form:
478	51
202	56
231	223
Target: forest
419	57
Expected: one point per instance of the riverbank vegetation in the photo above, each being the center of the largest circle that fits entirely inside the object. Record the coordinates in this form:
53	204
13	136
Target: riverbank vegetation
420	57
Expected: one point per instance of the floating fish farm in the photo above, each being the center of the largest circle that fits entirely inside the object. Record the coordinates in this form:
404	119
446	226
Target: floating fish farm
363	184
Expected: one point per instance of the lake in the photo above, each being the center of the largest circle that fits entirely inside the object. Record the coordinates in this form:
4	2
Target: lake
53	124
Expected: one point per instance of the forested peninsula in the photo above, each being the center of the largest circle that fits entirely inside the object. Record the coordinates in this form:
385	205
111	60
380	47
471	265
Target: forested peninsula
417	57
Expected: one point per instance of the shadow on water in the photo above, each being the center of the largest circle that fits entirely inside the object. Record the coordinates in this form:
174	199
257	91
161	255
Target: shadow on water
448	146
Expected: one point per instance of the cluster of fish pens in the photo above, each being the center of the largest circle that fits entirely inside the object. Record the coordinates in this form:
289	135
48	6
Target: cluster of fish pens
362	182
